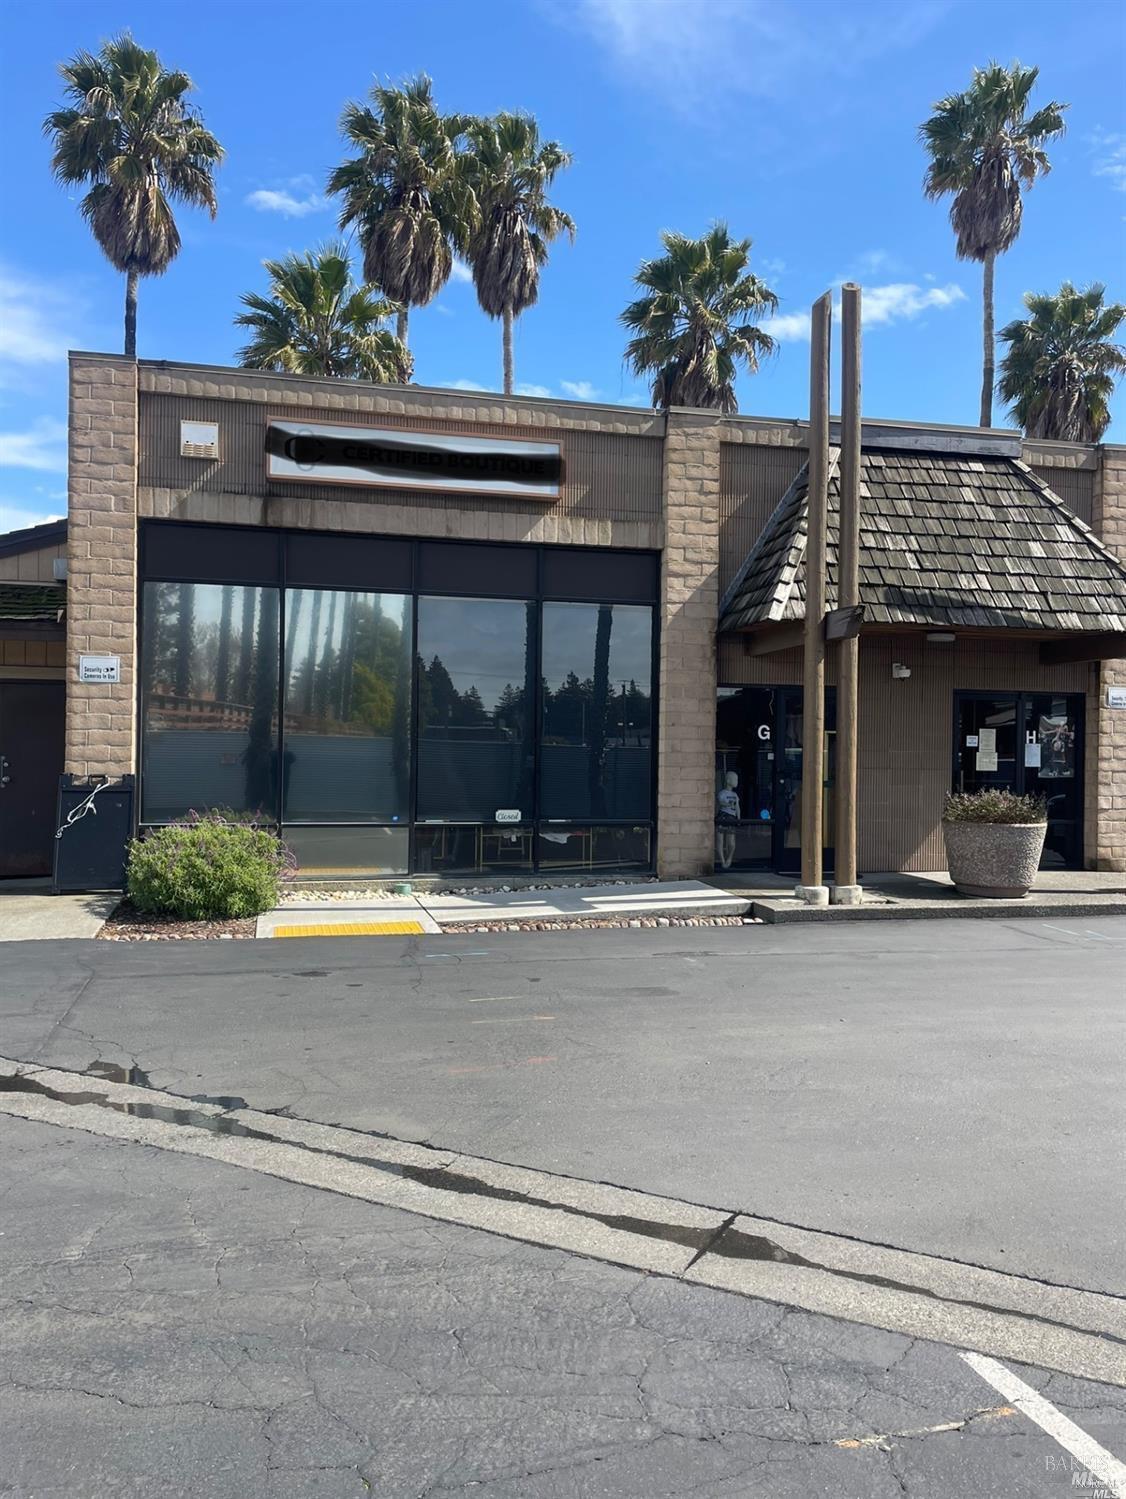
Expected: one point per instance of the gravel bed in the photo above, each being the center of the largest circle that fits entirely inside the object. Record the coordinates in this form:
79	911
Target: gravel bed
565	923
129	925
313	895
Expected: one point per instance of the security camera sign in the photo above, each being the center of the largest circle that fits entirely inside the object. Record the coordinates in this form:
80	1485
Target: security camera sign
99	668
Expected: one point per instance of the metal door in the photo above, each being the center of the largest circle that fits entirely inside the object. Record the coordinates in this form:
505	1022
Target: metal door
31	760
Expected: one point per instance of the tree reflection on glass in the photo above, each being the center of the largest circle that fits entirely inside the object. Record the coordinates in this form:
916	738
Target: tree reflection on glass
476	659
597	711
347	728
209	690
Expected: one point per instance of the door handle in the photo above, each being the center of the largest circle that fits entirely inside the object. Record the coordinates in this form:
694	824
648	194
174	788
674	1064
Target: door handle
4	776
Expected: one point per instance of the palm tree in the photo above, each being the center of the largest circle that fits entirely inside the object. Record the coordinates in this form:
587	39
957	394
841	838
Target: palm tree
512	224
403	191
696	323
132	137
1059	371
316	321
984	147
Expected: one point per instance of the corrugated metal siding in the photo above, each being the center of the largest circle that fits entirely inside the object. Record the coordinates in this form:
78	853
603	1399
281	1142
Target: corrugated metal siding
906	727
752	479
609	476
1075	486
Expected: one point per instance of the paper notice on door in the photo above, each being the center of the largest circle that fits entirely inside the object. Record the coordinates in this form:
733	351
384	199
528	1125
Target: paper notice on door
987	741
971	741
985	760
1032	756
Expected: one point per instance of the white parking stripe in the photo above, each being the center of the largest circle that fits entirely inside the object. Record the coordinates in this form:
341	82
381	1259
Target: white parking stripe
1103	1464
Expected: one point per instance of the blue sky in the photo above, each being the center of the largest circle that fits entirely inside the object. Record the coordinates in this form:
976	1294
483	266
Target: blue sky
794	121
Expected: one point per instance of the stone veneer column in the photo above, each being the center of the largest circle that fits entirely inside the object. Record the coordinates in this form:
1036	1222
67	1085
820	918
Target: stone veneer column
102	562
689	610
1109	788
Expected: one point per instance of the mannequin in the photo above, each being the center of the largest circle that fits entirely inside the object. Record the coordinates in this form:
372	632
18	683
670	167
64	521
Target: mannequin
727	815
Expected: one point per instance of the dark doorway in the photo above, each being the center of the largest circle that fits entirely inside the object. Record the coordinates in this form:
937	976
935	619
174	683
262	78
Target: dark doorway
1030	743
32	718
759	741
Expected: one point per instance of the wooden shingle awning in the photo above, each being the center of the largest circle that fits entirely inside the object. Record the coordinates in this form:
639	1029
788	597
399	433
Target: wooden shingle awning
947	542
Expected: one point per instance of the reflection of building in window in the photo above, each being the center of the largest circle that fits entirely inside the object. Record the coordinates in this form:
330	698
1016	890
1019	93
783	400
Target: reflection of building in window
1057	748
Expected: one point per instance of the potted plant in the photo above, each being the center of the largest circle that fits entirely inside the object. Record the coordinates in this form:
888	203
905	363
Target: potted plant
994	840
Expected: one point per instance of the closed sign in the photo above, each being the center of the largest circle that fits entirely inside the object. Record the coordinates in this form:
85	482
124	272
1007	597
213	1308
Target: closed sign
99	668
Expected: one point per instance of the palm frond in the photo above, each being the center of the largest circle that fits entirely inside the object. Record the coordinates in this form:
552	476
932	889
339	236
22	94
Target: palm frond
695	326
128	133
317	321
1061	365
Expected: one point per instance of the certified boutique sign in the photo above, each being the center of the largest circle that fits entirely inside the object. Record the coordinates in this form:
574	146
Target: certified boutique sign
412	460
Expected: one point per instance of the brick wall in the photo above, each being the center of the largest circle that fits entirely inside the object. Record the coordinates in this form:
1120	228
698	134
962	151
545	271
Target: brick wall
689	604
102	561
1106	788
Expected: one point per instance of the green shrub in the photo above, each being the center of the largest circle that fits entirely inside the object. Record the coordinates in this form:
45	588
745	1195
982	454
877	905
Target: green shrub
206	869
994	804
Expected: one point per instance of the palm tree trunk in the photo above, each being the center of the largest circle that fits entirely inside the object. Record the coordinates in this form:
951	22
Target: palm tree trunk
401	323
507	351
987	365
131	315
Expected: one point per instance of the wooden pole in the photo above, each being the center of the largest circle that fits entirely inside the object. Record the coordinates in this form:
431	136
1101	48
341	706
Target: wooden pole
813	674
848	595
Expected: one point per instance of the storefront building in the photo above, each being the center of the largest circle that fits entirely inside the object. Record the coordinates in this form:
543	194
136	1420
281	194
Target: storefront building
439	632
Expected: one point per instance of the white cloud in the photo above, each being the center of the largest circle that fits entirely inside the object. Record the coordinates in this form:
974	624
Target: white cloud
461	272
1110	158
771	267
43	447
871	263
693	50
578	390
18	515
296	199
897	302
37	319
533	390
462	385
903	300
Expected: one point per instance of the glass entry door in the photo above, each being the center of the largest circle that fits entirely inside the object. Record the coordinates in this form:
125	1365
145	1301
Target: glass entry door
1031	744
787	850
758	778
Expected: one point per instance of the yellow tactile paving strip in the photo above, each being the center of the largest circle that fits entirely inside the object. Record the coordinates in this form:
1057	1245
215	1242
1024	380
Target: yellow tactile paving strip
353	929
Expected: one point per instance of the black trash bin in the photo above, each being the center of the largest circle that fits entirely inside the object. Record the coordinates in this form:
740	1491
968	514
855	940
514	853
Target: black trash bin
95	824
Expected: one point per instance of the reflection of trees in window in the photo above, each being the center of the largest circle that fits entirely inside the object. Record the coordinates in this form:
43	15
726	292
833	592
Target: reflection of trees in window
223	654
196	662
260	755
352	672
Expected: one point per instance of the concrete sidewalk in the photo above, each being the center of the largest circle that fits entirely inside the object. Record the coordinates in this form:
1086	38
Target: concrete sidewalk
1056	892
29	912
451	912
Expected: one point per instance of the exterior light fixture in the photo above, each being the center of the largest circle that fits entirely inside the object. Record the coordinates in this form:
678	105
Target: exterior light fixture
899	671
940	637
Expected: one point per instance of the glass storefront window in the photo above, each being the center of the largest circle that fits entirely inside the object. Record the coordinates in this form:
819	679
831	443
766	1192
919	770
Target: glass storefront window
346	755
209	700
348	852
446	848
588	848
476	683
385	726
596	751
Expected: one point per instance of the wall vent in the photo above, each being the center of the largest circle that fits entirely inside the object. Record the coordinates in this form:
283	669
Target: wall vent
199	439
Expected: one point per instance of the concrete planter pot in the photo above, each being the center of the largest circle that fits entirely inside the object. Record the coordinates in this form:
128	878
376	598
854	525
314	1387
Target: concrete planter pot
995	860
